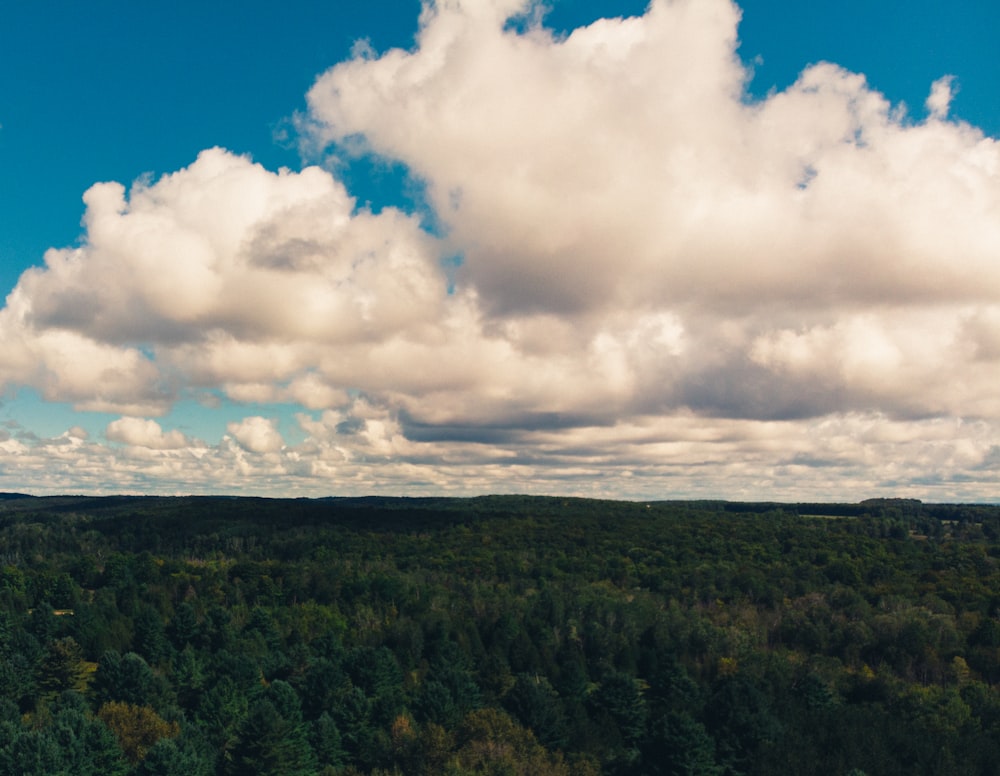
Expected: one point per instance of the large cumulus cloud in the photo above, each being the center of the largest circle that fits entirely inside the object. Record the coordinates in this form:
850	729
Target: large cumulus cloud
661	277
818	235
221	274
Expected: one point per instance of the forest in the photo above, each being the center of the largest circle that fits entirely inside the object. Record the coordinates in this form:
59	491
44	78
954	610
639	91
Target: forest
202	636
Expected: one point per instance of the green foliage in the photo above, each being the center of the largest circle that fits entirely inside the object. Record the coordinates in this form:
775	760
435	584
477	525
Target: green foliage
620	709
150	639
326	742
678	745
130	679
202	636
271	744
740	718
168	758
73	742
535	702
61	667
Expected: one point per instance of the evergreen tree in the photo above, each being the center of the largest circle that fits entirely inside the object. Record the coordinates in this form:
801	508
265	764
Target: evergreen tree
270	745
188	676
183	628
9	712
326	742
167	757
219	712
535	702
619	697
323	681
286	701
150	638
43	623
17	680
435	703
129	679
29	752
87	746
353	714
678	745
377	672
739	717
61	667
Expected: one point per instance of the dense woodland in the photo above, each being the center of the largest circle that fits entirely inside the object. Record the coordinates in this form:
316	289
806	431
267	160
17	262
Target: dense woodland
497	635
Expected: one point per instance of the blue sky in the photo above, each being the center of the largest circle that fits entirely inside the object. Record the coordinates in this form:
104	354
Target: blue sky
114	91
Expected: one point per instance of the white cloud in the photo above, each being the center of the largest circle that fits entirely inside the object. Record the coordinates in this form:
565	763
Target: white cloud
622	166
622	171
939	100
661	278
226	246
257	434
141	432
221	274
852	455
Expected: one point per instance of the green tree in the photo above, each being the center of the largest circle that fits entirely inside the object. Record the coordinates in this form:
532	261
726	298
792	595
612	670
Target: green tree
150	638
534	701
326	742
61	667
28	752
87	746
188	676
376	671
168	757
678	745
739	717
220	711
17	680
435	703
323	681
619	700
128	678
183	628
270	745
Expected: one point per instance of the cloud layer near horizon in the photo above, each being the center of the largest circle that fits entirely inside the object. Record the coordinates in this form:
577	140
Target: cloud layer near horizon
662	282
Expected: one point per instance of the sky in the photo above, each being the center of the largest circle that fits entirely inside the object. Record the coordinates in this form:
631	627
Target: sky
689	249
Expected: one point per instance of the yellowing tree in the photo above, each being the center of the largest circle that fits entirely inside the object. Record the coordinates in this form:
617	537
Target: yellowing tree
493	743
137	728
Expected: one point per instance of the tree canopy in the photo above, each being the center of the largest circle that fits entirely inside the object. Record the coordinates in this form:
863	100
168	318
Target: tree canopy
218	636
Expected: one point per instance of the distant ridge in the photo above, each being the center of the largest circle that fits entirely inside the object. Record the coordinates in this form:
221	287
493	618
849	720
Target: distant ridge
15	495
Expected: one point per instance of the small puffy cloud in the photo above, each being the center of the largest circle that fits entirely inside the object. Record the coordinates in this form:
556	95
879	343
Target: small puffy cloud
257	434
939	100
140	432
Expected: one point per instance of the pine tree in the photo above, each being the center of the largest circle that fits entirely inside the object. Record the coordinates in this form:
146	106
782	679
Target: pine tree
326	742
270	745
678	745
168	758
61	667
